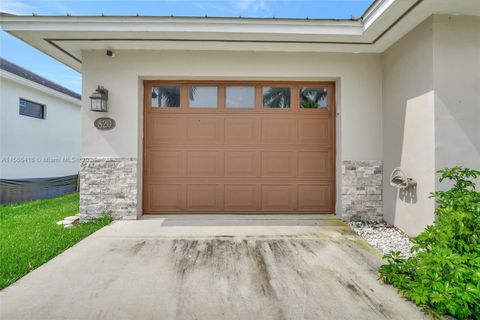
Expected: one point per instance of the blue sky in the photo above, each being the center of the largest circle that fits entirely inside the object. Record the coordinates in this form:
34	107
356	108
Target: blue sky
32	59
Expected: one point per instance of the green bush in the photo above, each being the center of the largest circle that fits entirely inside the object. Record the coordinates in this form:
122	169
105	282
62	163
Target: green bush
444	276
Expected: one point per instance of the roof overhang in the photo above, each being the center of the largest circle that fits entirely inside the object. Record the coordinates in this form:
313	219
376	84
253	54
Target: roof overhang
384	22
31	84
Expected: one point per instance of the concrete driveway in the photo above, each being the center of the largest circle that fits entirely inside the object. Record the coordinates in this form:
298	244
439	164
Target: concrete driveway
211	267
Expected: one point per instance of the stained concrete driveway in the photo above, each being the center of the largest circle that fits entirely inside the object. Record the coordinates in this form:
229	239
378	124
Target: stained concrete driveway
211	267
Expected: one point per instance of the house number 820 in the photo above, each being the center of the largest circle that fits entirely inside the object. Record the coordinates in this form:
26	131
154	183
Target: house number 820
104	123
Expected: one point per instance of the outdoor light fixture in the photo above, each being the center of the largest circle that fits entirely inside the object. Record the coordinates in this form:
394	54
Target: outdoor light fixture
98	100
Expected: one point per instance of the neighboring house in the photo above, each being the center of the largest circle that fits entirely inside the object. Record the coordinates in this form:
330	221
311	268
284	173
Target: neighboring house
246	115
40	136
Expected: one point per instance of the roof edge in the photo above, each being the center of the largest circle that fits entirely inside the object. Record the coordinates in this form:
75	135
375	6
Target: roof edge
15	69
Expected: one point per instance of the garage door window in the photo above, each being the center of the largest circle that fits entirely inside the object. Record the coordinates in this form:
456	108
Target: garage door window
166	97
179	96
276	97
203	97
240	97
313	98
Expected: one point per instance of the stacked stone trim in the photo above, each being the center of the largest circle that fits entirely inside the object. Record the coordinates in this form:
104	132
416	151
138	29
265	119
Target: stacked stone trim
108	186
362	190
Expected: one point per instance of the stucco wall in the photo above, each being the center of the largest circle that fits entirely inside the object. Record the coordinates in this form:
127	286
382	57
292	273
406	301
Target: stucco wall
456	56
359	96
431	112
359	93
408	128
37	148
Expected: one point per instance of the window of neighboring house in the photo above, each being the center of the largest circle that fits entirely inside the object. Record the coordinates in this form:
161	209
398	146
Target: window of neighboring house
32	109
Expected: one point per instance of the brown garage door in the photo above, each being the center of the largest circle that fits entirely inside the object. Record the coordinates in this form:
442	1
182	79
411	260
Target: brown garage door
239	147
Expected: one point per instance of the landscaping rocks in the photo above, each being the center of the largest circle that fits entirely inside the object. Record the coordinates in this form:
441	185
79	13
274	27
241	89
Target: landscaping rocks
69	222
384	237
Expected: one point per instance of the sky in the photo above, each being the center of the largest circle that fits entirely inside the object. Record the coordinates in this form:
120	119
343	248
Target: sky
30	58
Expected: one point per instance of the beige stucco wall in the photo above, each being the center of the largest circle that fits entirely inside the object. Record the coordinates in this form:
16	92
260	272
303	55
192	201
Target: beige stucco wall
408	128
359	92
456	57
431	112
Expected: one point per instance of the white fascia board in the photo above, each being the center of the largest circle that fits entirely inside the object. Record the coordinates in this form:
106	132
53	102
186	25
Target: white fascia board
31	84
379	9
173	25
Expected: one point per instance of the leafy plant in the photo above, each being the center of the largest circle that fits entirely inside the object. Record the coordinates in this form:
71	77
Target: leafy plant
444	276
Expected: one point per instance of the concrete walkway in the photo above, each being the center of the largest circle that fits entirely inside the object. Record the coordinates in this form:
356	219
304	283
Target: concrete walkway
211	267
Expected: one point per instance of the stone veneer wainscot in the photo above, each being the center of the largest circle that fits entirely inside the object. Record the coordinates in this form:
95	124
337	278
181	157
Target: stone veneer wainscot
362	197
108	186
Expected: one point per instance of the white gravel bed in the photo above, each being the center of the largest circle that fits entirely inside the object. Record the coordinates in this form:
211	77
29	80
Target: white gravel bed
384	237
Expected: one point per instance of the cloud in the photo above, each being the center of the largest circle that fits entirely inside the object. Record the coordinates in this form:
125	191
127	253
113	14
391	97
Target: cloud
29	7
253	7
250	8
16	7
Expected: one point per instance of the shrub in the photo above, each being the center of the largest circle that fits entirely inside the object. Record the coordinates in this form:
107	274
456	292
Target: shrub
444	276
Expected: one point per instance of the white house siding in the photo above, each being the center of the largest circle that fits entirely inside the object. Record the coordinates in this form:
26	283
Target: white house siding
37	148
431	112
359	97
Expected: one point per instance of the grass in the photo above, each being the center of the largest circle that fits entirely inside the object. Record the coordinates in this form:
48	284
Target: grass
30	236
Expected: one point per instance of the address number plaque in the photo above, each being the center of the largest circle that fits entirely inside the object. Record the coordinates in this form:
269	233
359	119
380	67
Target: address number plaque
104	123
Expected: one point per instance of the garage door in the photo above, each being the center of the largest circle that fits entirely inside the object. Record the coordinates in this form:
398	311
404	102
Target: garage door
238	147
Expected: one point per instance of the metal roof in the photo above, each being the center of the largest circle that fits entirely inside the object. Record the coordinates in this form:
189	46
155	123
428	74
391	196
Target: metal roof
29	75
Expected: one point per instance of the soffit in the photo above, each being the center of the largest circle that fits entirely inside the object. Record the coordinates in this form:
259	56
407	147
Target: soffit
385	22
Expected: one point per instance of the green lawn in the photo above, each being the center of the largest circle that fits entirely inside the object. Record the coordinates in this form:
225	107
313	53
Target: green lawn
29	235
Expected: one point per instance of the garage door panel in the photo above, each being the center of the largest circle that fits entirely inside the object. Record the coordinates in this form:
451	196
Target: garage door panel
166	197
241	163
279	131
204	163
314	197
205	130
166	163
166	130
204	197
315	131
278	164
241	130
241	197
278	198
253	160
315	163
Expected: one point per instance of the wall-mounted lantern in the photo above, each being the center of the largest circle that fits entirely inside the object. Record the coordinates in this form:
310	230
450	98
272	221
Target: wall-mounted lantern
98	100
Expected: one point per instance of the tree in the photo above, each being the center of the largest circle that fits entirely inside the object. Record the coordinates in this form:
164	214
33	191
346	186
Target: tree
166	96
277	97
312	98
